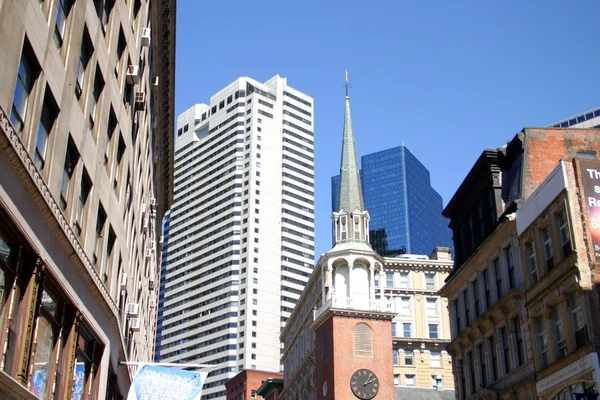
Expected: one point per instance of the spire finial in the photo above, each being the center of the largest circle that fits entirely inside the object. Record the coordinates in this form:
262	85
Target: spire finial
347	84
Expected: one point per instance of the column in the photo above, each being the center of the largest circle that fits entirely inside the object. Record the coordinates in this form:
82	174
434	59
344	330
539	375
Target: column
372	283
70	357
26	324
330	280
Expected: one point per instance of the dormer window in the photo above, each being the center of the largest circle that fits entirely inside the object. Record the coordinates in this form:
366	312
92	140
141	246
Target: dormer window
356	227
343	231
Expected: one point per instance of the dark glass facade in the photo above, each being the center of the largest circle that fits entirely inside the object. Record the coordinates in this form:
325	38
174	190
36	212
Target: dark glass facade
406	212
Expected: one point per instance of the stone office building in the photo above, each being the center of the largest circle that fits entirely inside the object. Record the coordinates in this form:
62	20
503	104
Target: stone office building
86	149
522	292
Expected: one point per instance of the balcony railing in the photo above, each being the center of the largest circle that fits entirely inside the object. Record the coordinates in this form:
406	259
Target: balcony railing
359	304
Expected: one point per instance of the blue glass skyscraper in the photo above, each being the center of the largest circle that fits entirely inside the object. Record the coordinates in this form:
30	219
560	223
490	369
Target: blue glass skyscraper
406	212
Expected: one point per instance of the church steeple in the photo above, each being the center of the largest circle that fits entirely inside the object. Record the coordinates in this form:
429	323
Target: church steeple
351	197
351	221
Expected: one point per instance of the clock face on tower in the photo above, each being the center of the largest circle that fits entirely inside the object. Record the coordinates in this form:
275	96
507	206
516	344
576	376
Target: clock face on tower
364	384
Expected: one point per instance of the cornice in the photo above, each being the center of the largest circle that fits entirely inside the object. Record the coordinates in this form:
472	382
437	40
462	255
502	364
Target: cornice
17	154
350	313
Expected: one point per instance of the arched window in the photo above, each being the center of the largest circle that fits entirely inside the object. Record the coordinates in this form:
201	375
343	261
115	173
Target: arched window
363	341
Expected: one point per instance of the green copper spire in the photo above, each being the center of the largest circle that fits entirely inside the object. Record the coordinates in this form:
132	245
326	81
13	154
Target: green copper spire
351	197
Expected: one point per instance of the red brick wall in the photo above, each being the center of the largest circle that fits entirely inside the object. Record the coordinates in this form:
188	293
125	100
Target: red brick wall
544	148
247	381
337	372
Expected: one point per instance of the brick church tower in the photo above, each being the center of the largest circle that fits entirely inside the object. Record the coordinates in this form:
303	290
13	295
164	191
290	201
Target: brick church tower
353	331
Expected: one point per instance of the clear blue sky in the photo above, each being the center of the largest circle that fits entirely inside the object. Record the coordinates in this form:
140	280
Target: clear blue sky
448	78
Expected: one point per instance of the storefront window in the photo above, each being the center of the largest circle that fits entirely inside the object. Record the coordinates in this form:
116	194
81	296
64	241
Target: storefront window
86	367
47	333
578	388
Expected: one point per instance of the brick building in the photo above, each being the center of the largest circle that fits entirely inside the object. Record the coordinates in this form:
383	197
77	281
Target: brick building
366	325
245	385
522	294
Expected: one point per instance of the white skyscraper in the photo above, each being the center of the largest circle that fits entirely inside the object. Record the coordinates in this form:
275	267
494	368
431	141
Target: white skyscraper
240	240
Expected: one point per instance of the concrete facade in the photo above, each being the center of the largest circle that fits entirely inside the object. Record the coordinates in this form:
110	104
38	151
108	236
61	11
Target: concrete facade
85	172
241	229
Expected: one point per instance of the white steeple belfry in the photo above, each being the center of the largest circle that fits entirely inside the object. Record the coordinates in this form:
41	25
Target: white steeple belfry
349	269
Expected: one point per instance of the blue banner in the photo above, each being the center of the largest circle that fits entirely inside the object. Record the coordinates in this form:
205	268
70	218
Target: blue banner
153	382
78	381
581	396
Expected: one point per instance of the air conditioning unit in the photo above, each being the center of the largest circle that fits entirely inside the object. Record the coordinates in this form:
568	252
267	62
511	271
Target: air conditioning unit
152	202
161	240
146	37
145	225
140	100
143	210
135	324
151	303
132	309
150	285
123	281
155	83
133	74
149	253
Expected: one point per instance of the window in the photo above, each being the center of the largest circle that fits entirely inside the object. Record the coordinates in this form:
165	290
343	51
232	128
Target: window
48	327
435	359
486	286
475	289
495	366
410	380
403	280
408	357
98	87
543	340
394	330
44	130
578	322
405	305
533	270
64	6
519	341
430	281
71	159
99	233
510	265
466	302
506	350
395	357
406	327
498	275
559	329
363	341
396	380
482	364
23	86
84	57
432	307
389	279
103	9
86	187
433	331
565	236
547	239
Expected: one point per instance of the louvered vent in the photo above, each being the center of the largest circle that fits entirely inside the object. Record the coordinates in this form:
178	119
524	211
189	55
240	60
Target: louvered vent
363	341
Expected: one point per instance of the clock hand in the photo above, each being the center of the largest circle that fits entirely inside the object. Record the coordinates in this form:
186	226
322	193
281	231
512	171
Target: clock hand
368	380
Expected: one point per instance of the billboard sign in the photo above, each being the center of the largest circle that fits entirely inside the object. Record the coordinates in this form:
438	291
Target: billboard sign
590	179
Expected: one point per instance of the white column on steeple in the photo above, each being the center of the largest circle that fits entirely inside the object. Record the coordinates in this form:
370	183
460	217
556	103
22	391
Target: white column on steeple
372	282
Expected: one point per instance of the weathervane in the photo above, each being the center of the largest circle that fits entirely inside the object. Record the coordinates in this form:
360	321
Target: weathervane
347	84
